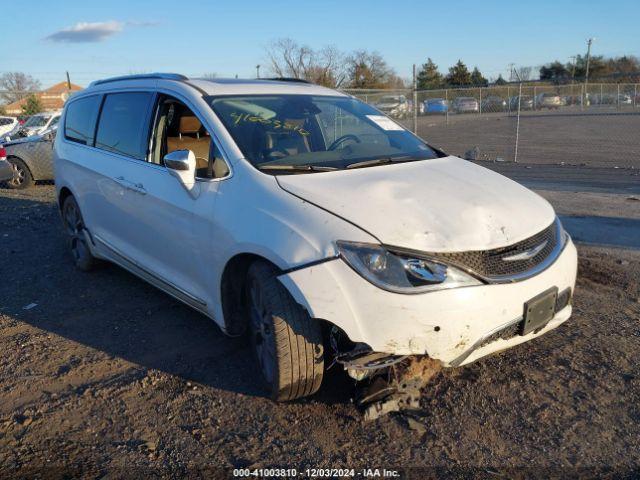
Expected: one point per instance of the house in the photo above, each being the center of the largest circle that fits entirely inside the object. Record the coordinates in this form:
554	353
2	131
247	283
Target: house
52	98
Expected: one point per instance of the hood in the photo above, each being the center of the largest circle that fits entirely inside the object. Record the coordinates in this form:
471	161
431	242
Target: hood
388	105
17	141
440	205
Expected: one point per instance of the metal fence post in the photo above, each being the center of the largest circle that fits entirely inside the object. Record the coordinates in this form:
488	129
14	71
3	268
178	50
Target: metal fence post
534	98
600	94
508	99
618	97
515	155
635	93
415	101
480	104
446	99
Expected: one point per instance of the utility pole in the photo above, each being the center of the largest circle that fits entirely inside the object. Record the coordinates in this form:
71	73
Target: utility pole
257	71
511	76
586	75
68	82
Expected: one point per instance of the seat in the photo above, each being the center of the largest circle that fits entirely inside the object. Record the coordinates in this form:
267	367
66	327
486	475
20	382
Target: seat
290	141
190	138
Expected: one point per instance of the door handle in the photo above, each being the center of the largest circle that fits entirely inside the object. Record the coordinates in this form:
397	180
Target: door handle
134	187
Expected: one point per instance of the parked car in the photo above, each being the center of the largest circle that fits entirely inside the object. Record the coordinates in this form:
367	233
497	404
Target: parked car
395	106
526	103
493	103
7	124
31	159
351	241
548	100
435	105
34	125
624	99
6	170
572	99
465	105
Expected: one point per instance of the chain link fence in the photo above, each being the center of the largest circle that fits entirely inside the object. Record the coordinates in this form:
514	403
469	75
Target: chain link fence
597	124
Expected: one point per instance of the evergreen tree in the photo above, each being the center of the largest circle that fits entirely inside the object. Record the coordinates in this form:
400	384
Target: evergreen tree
500	81
477	79
459	75
429	77
32	105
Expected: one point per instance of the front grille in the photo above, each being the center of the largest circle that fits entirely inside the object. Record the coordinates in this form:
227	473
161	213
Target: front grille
491	263
504	334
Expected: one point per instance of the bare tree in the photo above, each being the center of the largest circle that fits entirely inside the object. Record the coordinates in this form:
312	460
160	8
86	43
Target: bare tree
289	59
15	86
369	70
524	73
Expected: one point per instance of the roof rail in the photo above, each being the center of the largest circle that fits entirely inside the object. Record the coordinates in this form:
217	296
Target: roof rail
143	76
287	79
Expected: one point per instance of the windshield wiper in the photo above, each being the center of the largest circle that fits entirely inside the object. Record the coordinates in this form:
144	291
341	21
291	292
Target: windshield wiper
297	168
380	161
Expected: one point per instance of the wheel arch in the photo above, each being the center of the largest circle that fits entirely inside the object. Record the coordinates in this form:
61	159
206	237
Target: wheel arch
62	196
232	290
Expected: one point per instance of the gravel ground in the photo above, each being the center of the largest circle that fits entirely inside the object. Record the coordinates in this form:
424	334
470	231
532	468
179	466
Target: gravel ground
103	376
598	138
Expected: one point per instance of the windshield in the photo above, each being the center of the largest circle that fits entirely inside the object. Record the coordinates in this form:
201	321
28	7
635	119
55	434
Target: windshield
36	121
289	131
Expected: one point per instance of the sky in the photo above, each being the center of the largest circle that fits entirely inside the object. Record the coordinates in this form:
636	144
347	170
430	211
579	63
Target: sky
97	39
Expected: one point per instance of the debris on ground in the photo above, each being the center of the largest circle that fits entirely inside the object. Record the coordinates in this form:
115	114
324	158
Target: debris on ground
398	390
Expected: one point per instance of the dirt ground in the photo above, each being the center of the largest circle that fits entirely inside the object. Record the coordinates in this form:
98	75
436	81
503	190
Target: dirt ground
596	138
103	376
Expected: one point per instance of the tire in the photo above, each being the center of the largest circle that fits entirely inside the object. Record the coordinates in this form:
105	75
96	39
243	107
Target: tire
74	226
22	177
286	341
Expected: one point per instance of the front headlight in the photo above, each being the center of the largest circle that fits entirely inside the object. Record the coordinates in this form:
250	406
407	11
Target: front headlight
401	273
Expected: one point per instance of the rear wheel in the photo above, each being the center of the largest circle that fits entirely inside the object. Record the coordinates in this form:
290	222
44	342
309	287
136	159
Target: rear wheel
286	341
22	177
74	227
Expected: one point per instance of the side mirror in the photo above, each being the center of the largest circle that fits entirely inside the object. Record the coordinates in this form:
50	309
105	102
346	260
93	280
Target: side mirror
49	136
182	165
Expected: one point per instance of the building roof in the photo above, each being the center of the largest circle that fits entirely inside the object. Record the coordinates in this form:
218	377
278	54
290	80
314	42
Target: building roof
52	98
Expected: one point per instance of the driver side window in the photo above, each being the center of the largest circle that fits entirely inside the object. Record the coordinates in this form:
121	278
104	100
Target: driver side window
176	127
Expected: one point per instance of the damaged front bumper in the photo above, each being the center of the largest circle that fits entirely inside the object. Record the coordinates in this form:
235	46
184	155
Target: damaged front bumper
455	326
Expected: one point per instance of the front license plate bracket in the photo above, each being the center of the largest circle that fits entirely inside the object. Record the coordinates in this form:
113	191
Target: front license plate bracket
539	311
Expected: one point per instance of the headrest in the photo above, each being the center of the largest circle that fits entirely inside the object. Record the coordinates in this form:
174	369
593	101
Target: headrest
189	124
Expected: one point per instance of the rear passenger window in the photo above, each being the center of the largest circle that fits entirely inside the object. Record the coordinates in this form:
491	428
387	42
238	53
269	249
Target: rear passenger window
123	127
80	120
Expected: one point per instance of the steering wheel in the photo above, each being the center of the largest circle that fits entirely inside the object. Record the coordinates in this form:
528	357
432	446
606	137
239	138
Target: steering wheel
342	139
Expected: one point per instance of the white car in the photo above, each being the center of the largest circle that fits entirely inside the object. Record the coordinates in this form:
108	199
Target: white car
351	240
7	124
35	124
395	106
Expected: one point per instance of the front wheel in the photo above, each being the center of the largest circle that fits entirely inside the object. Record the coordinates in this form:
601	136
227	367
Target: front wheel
286	341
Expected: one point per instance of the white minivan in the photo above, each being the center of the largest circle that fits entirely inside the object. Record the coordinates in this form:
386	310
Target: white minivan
309	220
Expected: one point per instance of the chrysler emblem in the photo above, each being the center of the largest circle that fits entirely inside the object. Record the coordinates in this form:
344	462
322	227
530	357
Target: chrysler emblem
527	254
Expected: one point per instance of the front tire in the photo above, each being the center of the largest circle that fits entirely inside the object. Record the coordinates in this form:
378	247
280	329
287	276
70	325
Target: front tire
286	341
74	226
22	177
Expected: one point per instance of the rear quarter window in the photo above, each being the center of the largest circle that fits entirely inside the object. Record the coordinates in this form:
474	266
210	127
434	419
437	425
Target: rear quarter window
123	127
80	120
